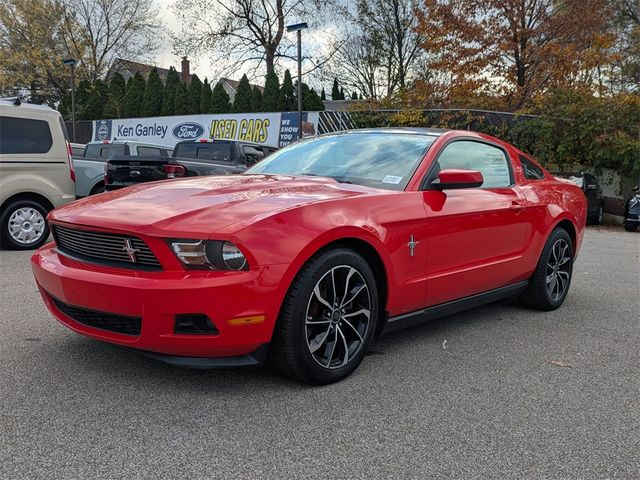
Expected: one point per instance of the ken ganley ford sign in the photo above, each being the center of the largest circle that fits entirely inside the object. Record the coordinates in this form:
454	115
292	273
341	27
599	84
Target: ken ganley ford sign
261	128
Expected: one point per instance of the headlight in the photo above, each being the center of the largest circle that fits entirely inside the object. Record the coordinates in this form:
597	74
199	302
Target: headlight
209	254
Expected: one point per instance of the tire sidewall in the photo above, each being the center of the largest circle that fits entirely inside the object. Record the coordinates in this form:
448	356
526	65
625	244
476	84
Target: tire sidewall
319	267
557	234
5	237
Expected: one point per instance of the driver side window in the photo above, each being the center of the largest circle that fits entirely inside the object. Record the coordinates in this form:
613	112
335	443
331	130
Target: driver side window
469	155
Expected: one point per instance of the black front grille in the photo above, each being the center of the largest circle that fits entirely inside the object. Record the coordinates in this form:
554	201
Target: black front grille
102	320
105	248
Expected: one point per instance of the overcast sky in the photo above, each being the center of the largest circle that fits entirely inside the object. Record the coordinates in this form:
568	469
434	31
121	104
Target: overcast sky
202	66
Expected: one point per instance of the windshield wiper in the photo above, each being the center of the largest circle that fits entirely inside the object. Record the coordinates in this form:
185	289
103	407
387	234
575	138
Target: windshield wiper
342	180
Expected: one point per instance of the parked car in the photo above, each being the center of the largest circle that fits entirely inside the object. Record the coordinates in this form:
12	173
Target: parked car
36	173
592	190
90	166
314	250
77	149
190	158
632	211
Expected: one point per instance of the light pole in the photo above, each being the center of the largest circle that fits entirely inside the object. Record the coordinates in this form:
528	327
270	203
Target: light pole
298	27
72	63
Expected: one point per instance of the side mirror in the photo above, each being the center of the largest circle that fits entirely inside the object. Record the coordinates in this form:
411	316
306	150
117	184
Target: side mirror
252	155
454	178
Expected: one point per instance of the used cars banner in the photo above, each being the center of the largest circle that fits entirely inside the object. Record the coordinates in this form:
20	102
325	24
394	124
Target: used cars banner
260	128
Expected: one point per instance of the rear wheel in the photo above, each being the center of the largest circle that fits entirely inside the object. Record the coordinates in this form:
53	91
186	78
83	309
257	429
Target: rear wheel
23	225
596	219
549	284
630	226
99	188
328	318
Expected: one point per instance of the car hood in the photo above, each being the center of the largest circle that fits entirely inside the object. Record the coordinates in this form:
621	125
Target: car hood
203	205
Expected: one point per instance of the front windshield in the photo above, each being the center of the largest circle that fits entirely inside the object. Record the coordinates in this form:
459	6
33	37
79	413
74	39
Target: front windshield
381	160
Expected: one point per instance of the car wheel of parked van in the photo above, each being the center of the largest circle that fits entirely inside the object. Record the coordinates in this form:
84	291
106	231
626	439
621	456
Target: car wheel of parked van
23	225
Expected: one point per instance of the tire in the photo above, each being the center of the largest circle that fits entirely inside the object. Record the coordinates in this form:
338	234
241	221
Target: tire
313	342
597	218
23	225
550	282
98	188
631	226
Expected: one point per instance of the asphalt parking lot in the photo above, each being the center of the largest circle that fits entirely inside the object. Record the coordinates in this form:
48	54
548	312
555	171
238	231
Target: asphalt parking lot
498	392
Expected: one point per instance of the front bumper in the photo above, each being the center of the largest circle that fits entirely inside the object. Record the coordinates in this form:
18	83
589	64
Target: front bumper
157	297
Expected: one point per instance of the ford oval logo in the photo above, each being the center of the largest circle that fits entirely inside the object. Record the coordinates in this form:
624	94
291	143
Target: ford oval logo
188	131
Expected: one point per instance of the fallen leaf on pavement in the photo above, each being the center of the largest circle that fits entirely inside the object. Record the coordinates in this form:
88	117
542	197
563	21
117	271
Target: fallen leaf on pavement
558	363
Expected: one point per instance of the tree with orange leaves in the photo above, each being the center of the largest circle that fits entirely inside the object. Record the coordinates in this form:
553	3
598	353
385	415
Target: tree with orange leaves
510	49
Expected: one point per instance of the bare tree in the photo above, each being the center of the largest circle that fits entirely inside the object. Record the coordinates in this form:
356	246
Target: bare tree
393	22
382	48
110	29
240	32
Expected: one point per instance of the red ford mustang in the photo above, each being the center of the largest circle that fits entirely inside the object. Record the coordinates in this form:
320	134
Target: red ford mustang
313	251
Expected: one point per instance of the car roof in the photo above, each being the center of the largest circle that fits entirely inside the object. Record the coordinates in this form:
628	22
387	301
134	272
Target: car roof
43	109
406	130
129	142
569	174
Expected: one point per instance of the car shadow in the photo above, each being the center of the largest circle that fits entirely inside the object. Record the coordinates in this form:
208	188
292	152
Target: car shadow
134	370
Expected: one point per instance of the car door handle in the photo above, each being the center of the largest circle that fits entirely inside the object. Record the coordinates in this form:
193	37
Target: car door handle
517	207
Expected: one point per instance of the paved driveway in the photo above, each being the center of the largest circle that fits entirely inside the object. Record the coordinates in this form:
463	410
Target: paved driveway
472	396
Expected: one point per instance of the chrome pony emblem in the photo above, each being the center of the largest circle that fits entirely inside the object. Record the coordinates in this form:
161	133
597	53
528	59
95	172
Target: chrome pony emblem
131	252
412	245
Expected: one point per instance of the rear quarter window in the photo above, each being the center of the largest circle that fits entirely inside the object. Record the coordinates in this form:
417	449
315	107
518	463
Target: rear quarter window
24	136
530	170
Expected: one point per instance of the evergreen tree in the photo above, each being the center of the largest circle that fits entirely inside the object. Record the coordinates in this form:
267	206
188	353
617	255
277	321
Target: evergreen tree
323	95
134	97
256	99
220	102
98	96
287	98
117	92
205	97
153	95
193	93
64	107
242	101
271	93
83	92
310	99
342	97
335	90
354	95
360	97
170	88
181	101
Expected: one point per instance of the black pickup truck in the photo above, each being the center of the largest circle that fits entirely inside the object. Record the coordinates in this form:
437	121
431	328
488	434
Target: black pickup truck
190	158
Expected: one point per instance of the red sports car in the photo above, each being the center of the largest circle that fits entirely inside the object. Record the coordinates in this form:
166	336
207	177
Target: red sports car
313	251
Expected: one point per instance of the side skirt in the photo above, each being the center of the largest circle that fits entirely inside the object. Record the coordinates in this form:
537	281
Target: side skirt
442	310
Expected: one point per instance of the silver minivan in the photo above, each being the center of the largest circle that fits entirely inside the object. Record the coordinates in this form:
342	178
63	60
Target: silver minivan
36	172
90	166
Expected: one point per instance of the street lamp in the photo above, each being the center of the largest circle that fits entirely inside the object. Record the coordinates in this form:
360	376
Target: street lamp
298	27
72	63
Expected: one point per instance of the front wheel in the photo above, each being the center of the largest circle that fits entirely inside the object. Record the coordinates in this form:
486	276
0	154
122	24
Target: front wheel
631	226
549	284
328	318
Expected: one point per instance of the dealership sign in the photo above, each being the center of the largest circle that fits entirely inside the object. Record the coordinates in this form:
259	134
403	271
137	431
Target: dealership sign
271	129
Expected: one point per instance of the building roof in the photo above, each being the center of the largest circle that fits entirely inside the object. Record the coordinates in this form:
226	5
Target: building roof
231	87
128	68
